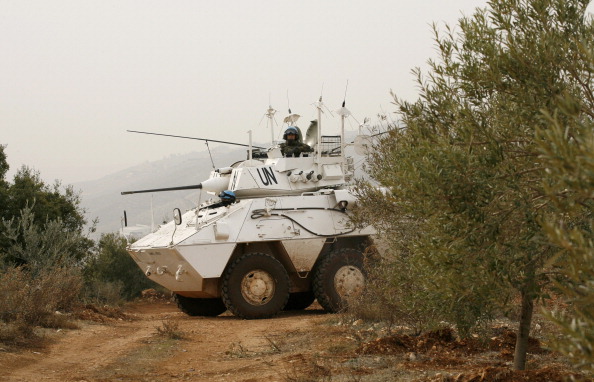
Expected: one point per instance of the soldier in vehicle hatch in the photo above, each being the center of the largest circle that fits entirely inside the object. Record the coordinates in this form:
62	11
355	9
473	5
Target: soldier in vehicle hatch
293	147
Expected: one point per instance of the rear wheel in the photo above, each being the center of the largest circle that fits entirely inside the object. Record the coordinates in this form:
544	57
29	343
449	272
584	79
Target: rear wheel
255	285
338	277
209	307
300	300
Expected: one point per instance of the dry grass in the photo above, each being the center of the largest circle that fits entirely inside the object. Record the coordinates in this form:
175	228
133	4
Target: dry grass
170	330
27	302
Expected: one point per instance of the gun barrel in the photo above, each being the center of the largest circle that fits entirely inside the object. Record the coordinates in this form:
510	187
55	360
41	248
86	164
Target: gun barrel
192	187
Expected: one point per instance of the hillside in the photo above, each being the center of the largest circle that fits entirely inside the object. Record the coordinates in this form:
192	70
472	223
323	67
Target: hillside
102	198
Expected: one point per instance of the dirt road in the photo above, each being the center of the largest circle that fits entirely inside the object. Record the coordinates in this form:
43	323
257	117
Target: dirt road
293	347
223	348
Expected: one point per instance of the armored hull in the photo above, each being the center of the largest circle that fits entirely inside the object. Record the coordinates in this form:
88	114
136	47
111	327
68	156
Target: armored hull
190	259
283	241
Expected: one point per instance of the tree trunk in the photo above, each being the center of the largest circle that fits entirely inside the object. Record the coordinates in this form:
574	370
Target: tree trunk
523	331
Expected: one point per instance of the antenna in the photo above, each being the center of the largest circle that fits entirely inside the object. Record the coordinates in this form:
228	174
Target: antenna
288	102
270	115
364	124
124	224
319	106
344	114
152	216
250	150
210	154
199	139
291	119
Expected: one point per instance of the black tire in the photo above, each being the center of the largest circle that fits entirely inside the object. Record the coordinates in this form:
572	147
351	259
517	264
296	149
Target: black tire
208	307
300	300
338	276
255	285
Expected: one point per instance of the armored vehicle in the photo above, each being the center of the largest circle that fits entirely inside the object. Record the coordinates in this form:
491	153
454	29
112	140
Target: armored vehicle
277	237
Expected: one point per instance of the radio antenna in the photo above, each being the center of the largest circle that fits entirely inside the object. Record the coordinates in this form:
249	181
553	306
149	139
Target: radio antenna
320	104
288	102
291	119
199	139
210	154
270	115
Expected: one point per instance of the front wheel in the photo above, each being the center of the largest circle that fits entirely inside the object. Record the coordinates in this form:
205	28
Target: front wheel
339	276
208	307
255	285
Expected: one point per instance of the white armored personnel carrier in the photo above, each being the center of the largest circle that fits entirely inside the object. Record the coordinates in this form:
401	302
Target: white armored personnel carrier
278	237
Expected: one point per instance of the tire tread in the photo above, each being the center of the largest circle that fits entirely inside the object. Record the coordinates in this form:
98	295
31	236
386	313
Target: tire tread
226	291
321	276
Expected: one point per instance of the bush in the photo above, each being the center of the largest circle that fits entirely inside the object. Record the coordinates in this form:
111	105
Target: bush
104	292
16	333
112	268
27	301
170	330
42	246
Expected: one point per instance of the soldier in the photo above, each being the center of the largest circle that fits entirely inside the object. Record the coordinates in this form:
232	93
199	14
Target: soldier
293	146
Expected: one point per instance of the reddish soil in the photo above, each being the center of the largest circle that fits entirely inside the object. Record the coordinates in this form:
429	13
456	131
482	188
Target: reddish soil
295	346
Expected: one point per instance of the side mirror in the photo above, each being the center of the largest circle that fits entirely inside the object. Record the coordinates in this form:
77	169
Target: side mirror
177	216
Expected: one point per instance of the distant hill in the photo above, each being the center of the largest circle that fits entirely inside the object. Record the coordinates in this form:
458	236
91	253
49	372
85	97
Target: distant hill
102	198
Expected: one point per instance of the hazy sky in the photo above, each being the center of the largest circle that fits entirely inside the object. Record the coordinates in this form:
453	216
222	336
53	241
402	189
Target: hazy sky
75	75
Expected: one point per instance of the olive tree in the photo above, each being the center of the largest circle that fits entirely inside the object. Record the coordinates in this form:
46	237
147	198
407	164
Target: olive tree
42	246
568	151
463	164
44	204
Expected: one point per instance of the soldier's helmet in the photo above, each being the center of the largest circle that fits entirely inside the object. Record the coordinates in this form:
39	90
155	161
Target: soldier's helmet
291	130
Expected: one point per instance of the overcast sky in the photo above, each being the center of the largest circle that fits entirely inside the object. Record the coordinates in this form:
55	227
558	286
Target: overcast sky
75	75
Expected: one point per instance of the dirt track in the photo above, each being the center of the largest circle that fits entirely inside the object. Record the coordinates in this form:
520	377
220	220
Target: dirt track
295	346
220	348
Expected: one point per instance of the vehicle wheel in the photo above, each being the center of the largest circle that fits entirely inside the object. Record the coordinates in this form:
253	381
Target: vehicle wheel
300	300
255	285
339	276
209	307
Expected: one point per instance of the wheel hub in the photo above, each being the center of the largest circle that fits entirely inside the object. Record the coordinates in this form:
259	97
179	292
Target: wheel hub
349	281
257	287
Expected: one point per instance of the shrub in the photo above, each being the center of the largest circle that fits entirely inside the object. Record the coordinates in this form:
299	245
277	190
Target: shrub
27	301
104	292
111	264
170	330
